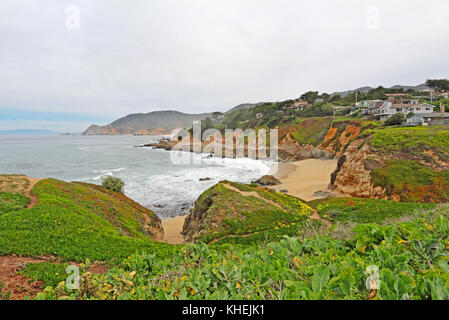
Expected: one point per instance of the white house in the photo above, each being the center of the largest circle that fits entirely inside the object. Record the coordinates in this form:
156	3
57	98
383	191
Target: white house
368	107
298	105
388	109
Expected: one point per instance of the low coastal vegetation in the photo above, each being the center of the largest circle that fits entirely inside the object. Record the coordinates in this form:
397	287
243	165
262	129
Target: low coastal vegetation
357	210
405	260
12	201
412	182
411	141
252	243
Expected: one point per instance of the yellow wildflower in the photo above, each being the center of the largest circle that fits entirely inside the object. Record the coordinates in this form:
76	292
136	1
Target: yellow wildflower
297	262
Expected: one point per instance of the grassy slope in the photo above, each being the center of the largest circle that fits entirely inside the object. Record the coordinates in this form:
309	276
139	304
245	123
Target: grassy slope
357	210
247	218
308	130
412	182
412	261
404	175
76	221
12	201
411	141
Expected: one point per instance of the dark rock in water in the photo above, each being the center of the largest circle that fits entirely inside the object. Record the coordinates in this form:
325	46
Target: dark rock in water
159	206
371	164
284	191
205	179
324	194
268	181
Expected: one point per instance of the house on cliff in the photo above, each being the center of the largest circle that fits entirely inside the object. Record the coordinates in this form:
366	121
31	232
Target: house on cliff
405	106
368	107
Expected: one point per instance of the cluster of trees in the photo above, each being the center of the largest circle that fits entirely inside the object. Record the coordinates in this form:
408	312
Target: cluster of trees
438	85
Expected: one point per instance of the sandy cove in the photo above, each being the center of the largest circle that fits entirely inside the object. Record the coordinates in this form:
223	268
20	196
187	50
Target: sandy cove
303	178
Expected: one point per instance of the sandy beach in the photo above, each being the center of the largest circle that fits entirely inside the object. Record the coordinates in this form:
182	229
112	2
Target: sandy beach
172	230
303	178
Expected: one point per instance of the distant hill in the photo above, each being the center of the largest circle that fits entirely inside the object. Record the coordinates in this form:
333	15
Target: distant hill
244	106
158	122
25	132
420	87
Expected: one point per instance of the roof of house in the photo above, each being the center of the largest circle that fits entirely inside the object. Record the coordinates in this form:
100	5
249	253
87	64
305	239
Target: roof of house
423	105
432	115
395	94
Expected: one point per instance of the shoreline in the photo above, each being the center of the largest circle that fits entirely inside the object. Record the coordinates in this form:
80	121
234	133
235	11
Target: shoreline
305	177
172	229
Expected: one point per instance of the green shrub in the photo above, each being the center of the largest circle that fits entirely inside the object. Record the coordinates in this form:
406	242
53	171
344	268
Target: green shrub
113	184
396	119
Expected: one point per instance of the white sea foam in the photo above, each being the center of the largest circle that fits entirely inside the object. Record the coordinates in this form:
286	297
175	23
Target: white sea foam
150	177
177	190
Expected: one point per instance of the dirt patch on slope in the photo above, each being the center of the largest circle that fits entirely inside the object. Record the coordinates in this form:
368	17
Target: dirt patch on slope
252	194
19	184
34	200
15	284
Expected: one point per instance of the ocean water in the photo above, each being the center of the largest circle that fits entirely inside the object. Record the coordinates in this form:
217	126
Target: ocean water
151	178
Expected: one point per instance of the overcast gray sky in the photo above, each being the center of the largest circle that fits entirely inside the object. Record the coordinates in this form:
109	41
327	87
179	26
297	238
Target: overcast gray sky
204	55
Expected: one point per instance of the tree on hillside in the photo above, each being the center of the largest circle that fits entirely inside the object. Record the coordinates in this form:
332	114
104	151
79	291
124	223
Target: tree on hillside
216	115
326	97
310	96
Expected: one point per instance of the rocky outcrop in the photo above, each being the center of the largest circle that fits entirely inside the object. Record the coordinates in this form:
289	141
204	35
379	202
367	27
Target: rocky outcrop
352	177
267	181
324	194
372	164
194	225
